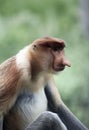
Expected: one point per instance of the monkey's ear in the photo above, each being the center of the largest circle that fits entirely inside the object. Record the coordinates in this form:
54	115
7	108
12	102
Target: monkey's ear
34	47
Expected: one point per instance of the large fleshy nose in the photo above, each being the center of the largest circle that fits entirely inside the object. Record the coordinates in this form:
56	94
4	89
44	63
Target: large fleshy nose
66	63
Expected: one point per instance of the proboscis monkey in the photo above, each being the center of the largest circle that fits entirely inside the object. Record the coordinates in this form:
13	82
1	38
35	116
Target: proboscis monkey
29	99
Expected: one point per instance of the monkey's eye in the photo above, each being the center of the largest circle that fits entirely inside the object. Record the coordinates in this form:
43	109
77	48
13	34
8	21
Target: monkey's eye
55	49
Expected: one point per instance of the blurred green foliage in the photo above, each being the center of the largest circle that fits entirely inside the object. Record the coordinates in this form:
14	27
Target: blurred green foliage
22	21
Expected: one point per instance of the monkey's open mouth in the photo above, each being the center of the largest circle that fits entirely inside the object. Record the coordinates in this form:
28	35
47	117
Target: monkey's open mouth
59	68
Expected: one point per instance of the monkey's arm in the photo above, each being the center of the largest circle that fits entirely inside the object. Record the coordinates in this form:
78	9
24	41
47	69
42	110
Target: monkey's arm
47	121
56	105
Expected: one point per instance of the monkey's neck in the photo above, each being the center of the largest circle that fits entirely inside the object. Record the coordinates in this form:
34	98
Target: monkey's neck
35	69
39	82
38	75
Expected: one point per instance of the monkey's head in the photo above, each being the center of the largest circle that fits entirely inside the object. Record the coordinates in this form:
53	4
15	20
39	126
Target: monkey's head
48	54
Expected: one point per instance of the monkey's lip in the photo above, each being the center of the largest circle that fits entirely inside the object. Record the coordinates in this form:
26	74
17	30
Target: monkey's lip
59	68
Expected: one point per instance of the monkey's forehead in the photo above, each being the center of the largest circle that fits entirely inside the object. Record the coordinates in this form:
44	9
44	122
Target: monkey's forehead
50	40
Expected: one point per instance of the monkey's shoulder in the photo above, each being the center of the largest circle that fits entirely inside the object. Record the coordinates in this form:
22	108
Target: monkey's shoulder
7	64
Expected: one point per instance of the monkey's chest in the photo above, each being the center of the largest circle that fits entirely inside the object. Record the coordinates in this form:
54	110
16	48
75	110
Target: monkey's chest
30	106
